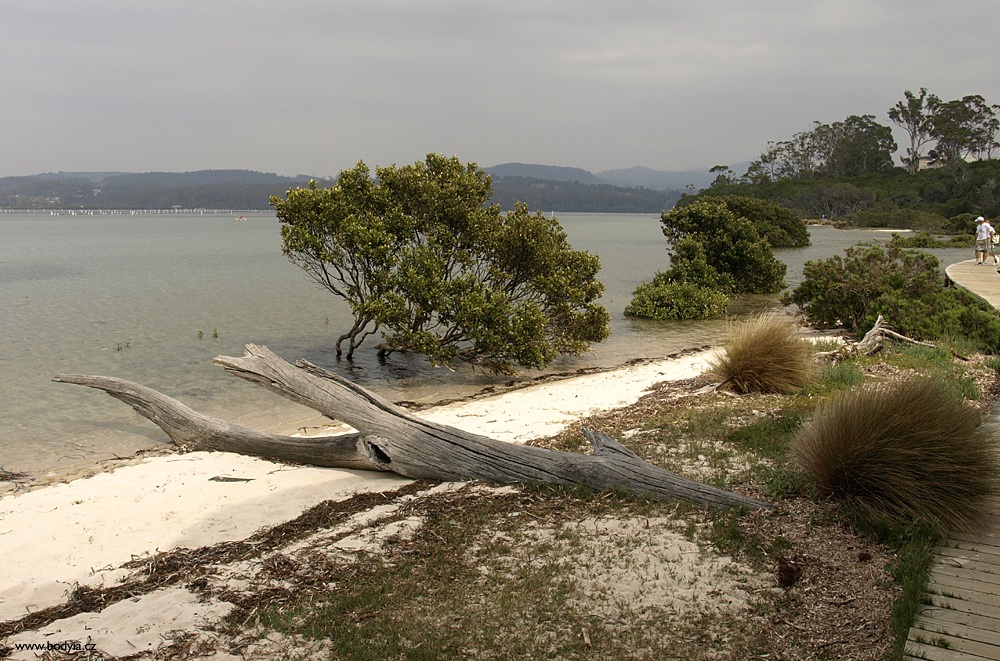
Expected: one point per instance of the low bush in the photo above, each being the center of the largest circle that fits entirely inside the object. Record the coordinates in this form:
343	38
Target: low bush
765	354
903	451
777	223
663	300
926	240
904	286
731	244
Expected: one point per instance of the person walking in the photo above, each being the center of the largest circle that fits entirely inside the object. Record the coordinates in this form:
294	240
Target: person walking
984	237
995	247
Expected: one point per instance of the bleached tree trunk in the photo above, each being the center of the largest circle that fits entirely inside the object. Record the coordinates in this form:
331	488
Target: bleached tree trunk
392	439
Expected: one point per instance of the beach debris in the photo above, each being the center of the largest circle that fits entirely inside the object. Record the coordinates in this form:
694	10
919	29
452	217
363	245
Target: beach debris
871	343
389	438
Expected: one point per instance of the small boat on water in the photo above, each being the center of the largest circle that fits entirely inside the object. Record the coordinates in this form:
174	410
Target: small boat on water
241	217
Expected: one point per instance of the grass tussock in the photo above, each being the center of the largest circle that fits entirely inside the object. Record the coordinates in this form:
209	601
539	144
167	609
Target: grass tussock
907	450
765	354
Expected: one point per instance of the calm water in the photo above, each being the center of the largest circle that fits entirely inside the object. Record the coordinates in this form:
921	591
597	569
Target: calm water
154	297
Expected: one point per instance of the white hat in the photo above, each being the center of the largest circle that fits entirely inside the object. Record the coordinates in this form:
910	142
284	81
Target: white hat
980	219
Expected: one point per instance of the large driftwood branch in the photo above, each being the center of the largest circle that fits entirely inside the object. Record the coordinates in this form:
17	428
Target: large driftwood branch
871	343
191	430
392	439
874	339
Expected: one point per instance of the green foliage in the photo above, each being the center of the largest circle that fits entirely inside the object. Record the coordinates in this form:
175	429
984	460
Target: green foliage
917	548
689	263
834	378
779	225
957	188
662	299
901	451
913	115
903	286
963	127
844	168
925	240
765	353
767	438
783	482
721	246
731	243
856	146
963	223
419	256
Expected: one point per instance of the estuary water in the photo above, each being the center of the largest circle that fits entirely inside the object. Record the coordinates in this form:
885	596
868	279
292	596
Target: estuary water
153	297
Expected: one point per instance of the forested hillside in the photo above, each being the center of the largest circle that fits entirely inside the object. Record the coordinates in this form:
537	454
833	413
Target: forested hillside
206	189
546	196
244	189
957	188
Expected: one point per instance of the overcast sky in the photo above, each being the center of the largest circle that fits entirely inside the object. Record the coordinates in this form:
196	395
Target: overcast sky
313	86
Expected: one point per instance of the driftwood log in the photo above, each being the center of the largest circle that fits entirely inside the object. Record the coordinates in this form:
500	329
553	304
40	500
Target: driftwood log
389	438
873	342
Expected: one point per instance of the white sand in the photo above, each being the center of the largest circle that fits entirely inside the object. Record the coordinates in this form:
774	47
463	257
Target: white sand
81	532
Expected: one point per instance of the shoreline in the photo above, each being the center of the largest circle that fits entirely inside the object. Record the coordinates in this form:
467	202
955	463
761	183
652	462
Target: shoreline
90	530
299	420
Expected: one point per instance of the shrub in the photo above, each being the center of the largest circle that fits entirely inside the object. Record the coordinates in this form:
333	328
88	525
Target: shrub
765	354
661	299
952	315
928	240
903	286
779	224
844	291
731	243
689	263
901	451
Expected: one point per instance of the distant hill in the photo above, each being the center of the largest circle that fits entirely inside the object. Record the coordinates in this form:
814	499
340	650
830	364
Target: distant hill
205	189
574	189
197	178
666	179
634	177
541	187
545	195
658	179
544	172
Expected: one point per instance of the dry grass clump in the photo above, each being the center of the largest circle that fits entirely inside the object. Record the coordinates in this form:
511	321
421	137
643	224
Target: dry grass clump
902	450
765	354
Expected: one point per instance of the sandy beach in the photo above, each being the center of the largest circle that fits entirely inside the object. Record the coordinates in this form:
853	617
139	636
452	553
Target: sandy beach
96	531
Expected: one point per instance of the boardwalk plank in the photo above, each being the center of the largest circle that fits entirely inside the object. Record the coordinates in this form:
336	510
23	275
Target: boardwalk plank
922	651
966	589
953	555
946	564
964	606
954	644
936	623
973	621
980	537
964	584
977	547
988	578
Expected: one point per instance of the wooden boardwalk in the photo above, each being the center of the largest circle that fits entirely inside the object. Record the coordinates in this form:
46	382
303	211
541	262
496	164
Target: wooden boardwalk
961	621
983	281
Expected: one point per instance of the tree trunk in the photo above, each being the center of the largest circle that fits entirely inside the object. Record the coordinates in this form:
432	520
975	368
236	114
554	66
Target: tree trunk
392	439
